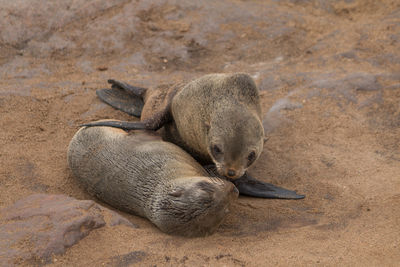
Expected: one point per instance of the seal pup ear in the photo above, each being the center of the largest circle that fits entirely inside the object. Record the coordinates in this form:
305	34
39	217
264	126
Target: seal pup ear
207	126
176	193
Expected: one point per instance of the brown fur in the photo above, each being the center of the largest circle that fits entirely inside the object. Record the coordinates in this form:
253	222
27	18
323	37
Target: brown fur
141	174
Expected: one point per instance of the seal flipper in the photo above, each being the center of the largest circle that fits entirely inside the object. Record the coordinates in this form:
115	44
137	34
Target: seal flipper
122	100
153	123
124	125
124	97
137	91
250	186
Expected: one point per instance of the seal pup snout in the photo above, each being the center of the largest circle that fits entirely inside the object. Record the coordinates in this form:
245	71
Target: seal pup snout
234	148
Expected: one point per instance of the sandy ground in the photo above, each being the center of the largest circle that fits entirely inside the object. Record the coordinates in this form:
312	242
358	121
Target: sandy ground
329	75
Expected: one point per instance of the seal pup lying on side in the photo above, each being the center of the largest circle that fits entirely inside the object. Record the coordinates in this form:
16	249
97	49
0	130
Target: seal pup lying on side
216	118
141	174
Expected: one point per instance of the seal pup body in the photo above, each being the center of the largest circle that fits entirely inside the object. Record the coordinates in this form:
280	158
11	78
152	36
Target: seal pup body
141	174
216	118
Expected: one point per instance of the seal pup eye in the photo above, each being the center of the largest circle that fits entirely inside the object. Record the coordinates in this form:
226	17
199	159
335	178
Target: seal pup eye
216	150
251	157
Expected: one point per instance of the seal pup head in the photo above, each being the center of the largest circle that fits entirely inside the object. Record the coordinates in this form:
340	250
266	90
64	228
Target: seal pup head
235	142
195	206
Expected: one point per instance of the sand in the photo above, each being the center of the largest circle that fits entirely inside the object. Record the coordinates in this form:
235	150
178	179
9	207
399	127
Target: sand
328	73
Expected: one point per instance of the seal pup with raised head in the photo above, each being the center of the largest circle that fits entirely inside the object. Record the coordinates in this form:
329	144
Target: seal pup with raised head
141	174
216	118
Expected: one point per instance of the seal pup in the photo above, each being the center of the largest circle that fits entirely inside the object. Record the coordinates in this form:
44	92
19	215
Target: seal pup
216	118
141	174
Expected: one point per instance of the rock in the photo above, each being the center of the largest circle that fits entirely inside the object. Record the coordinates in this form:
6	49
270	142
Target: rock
40	225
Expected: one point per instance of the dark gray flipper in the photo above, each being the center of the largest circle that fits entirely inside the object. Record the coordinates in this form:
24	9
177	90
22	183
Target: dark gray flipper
252	187
154	123
124	97
122	100
125	125
134	90
249	186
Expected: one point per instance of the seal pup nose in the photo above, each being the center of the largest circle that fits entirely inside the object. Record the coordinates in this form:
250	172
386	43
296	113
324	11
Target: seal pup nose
231	173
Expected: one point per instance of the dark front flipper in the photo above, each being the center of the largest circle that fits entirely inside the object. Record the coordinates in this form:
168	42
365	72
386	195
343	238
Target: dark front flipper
249	186
122	100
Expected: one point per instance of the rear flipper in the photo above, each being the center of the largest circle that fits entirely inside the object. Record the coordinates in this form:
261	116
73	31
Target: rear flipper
124	97
124	125
249	186
158	120
134	90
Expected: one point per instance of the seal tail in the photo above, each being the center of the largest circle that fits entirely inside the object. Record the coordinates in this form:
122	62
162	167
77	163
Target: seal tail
124	97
